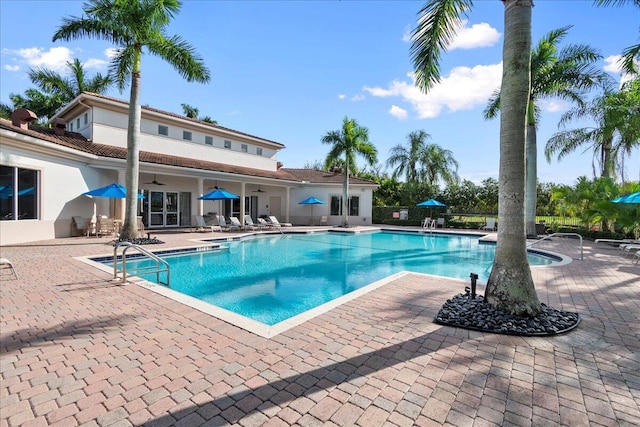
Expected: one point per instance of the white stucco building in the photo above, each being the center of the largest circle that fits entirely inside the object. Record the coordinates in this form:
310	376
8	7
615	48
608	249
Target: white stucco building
45	171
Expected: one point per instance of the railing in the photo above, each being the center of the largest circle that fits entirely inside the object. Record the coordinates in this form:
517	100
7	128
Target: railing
159	267
561	234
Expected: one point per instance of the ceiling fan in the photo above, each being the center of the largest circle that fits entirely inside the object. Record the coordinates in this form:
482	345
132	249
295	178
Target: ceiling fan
259	190
215	187
154	182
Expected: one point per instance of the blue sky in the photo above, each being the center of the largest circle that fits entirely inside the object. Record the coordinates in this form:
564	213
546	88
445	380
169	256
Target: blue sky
290	71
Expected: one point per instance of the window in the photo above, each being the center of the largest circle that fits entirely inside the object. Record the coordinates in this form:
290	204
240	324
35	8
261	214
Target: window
227	144
208	140
70	126
86	118
163	130
78	122
186	135
18	193
259	151
243	148
336	205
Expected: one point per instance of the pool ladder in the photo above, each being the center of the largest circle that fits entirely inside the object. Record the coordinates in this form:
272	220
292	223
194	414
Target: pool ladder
159	266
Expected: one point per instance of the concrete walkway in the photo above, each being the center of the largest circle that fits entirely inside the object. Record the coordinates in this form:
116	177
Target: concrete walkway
79	349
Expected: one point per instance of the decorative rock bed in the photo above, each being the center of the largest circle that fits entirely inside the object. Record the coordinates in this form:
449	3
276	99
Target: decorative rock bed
463	311
139	241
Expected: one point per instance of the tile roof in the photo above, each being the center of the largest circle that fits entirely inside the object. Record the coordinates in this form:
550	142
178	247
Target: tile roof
78	142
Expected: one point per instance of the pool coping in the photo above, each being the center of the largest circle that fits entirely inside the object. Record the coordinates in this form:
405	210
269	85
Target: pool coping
262	329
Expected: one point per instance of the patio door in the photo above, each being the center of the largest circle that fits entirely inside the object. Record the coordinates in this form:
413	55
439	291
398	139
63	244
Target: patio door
163	209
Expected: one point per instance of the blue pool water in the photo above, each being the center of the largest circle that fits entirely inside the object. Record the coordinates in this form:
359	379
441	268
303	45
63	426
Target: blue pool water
272	278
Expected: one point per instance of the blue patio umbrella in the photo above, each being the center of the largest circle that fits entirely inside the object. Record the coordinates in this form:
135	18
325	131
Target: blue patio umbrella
311	201
218	194
113	191
632	198
431	203
6	192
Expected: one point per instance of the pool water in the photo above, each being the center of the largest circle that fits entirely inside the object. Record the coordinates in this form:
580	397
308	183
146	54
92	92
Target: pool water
272	278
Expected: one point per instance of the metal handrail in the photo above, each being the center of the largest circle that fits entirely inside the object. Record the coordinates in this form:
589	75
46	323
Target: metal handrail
561	234
160	264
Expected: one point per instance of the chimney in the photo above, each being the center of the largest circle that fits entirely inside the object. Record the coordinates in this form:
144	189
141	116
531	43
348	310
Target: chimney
279	165
59	126
22	117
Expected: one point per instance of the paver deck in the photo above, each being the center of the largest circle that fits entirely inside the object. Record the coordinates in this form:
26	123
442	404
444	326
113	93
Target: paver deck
79	349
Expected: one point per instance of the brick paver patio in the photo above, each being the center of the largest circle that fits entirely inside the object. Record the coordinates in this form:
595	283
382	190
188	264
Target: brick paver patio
79	349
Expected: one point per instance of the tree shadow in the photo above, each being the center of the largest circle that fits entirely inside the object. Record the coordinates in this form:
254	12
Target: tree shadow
231	408
28	337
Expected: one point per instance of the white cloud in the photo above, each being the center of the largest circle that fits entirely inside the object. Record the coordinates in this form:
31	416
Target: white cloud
12	67
552	106
463	89
478	35
111	52
397	112
406	36
342	96
54	59
95	63
357	98
613	64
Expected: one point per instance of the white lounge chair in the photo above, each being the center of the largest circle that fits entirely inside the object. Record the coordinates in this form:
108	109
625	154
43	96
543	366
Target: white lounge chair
248	223
630	249
324	220
428	223
277	223
614	241
201	225
5	264
636	258
490	225
224	226
235	223
440	223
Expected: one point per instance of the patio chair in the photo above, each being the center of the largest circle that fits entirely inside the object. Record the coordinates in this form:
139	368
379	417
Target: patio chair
440	223
224	226
201	224
264	224
235	223
277	223
79	226
248	223
636	258
630	249
5	264
105	226
621	241
490	225
324	220
428	223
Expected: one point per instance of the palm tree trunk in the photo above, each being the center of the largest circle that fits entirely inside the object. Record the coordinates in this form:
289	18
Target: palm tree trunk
531	190
510	286
130	226
345	195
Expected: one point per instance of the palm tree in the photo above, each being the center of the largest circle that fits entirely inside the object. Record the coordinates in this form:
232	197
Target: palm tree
565	75
615	134
43	105
67	88
510	284
631	54
192	112
348	142
407	160
438	163
134	26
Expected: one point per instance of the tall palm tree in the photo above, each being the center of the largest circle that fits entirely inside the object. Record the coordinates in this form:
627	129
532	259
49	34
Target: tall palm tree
616	132
438	163
193	113
348	142
630	55
42	104
69	87
134	26
510	284
407	160
564	74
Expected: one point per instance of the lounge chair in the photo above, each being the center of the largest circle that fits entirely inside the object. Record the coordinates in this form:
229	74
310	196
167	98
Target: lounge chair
428	223
201	224
490	225
621	241
440	223
224	226
264	224
324	220
629	249
248	223
277	223
5	264
636	258
235	223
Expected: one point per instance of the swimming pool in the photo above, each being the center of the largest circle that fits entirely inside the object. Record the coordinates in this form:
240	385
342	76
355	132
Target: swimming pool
273	278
